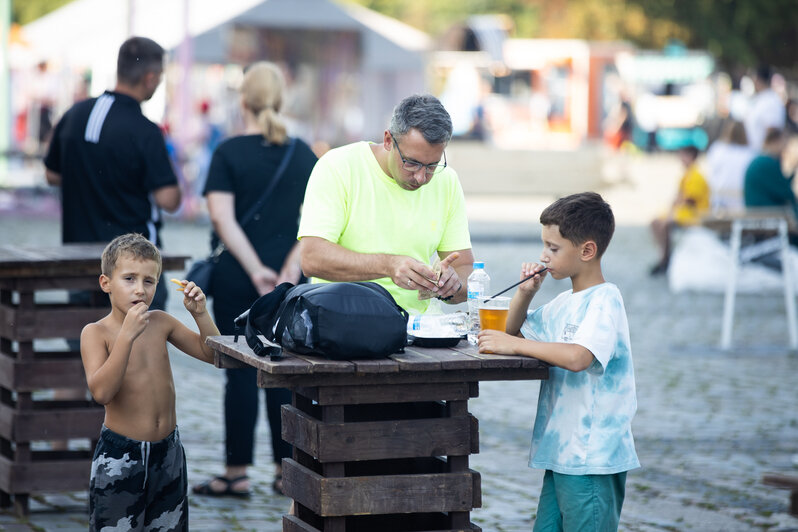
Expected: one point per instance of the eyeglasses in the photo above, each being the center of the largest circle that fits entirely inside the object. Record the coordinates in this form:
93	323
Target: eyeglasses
415	166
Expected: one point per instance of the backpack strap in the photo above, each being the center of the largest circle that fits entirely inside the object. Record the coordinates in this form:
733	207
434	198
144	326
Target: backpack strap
260	319
275	352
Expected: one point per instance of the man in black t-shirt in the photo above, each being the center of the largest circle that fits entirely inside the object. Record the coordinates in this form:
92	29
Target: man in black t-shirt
111	161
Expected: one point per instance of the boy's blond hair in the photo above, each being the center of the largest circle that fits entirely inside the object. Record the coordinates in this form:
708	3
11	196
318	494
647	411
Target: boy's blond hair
132	244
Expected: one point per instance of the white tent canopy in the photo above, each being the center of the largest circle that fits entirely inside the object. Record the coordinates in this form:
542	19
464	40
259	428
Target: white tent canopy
86	35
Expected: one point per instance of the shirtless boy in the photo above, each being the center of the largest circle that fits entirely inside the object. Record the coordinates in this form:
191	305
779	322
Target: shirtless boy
138	474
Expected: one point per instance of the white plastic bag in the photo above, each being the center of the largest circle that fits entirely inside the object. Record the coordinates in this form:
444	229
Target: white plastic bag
701	262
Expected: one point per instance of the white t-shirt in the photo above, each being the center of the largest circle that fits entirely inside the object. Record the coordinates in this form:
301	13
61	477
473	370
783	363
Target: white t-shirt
726	166
583	423
766	111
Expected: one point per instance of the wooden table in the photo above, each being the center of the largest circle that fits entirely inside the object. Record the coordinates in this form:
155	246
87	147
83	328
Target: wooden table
380	444
25	273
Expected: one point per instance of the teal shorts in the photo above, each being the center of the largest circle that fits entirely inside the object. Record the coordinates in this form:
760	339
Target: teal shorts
580	502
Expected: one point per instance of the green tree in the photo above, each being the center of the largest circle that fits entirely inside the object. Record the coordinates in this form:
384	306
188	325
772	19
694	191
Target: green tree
24	11
739	33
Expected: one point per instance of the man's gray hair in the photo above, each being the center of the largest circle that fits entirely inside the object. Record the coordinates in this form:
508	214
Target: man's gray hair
425	113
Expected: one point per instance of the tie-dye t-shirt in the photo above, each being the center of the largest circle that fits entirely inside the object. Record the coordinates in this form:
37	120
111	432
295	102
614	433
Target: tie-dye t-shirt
583	423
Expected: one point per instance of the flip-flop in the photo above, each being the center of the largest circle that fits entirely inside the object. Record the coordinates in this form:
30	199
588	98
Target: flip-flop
204	488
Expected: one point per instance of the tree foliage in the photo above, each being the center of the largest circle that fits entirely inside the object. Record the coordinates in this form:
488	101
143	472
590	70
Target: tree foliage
739	33
24	11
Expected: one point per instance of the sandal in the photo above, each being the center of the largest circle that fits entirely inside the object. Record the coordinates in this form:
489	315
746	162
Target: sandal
205	488
277	484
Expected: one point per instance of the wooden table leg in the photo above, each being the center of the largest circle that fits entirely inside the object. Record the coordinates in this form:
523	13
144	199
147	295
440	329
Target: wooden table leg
333	414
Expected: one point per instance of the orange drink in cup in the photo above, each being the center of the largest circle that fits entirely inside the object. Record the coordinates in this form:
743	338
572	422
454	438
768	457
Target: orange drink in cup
493	313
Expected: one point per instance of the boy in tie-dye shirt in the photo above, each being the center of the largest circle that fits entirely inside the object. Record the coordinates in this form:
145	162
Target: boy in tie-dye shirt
582	435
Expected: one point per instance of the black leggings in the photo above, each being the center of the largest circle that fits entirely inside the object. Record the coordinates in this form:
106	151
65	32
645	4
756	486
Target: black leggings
241	398
234	294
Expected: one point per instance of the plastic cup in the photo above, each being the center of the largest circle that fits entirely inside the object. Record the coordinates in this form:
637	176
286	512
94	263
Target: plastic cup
493	313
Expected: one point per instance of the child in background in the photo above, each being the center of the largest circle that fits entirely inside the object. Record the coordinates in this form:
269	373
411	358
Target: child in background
691	203
138	474
582	436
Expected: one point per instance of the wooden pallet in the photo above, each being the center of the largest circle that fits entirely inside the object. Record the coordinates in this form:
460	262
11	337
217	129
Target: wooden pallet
25	417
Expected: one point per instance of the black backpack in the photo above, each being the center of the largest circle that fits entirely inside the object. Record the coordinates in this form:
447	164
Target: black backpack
339	321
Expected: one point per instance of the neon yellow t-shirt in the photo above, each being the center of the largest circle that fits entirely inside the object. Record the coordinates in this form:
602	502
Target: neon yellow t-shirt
351	202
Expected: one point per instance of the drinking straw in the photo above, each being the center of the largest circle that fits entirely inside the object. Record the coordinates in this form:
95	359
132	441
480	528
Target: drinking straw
516	284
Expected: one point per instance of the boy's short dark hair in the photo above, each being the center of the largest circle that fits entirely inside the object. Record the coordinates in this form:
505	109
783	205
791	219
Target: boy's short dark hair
138	56
582	217
690	150
773	135
132	244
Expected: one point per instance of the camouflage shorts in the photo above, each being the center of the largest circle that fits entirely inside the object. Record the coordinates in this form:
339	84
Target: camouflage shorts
138	485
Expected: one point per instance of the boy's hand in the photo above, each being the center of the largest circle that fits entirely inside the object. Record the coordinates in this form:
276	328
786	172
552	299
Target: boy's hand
531	286
136	321
496	342
193	298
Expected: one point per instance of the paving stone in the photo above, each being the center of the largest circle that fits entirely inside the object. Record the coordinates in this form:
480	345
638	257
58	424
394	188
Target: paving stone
708	425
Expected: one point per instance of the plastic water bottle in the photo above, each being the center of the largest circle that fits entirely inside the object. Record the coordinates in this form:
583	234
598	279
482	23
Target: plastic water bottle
478	286
438	325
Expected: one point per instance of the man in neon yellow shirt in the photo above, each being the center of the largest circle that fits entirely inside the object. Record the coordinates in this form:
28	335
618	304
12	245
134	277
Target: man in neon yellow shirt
379	212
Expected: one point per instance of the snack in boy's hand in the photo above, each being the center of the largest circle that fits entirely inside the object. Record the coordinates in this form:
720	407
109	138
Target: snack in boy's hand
429	294
179	283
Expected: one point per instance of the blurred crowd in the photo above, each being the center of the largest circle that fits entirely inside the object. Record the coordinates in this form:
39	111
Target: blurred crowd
750	164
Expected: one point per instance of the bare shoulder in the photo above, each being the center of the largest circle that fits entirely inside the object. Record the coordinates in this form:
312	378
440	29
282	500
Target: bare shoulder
163	319
97	337
97	329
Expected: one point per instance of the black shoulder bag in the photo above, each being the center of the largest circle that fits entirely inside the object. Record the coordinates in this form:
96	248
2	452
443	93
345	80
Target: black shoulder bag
202	270
339	321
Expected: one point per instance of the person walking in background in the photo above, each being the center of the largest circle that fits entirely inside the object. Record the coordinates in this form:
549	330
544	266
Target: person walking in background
690	204
111	161
766	111
379	211
261	253
113	168
583	428
727	160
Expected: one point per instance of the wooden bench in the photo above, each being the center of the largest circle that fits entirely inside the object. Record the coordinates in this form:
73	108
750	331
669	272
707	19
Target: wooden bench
789	482
760	222
25	418
381	444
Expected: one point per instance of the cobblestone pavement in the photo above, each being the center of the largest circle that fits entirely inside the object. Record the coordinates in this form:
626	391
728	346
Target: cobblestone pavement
709	424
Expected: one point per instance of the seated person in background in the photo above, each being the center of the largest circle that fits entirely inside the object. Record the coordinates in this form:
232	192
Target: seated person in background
727	160
766	185
692	201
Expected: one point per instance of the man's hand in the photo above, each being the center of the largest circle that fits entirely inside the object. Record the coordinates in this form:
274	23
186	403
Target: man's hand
411	274
449	283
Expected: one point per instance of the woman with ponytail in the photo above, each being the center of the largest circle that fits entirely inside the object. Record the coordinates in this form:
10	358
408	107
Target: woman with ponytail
261	251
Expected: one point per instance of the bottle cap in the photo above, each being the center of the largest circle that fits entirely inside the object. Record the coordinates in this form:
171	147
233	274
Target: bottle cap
479	265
